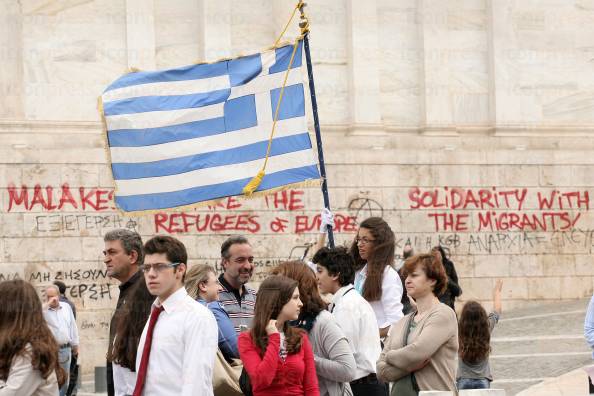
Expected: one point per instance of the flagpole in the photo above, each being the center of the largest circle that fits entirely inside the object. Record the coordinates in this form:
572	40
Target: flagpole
312	90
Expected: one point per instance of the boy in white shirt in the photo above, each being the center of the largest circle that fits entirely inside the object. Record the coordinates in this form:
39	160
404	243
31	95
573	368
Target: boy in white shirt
355	316
177	349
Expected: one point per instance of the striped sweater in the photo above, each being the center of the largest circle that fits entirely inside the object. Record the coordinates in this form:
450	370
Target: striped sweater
239	308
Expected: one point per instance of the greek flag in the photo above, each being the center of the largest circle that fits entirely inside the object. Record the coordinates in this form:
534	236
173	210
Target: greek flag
199	133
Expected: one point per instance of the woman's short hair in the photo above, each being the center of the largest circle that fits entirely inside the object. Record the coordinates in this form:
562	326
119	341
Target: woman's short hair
433	268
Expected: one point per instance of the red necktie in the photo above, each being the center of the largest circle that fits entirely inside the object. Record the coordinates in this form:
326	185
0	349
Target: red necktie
146	351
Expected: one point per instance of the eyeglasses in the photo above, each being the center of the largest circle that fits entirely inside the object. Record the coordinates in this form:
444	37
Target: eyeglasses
157	267
363	241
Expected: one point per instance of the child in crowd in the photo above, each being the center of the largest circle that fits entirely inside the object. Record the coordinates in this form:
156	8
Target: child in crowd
474	329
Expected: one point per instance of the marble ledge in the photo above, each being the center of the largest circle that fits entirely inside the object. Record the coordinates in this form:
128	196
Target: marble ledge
509	130
459	131
50	127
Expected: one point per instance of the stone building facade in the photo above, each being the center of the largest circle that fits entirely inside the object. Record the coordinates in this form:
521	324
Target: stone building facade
466	123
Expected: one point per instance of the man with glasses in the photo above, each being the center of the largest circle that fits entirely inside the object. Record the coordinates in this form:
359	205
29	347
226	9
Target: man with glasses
122	255
178	345
239	300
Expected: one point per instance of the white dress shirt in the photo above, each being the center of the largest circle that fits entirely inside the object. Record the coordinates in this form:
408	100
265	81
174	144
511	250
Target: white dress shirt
62	324
124	380
185	342
355	317
388	310
24	380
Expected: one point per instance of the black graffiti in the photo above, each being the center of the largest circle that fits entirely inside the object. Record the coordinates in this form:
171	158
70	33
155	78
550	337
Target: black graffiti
72	275
364	207
79	222
507	242
85	325
90	274
501	242
300	252
91	291
9	276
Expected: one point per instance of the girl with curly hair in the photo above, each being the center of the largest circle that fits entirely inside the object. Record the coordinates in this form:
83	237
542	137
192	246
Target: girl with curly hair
474	330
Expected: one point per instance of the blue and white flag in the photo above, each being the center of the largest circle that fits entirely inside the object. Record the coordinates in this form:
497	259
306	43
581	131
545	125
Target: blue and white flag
199	133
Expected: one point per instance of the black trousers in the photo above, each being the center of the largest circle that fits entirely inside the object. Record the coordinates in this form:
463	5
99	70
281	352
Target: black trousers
73	377
109	379
370	389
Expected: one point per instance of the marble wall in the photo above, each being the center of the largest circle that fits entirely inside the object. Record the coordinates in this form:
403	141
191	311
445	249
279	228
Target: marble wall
417	98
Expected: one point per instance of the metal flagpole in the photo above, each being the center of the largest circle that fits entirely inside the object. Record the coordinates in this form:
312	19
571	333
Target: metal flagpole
304	25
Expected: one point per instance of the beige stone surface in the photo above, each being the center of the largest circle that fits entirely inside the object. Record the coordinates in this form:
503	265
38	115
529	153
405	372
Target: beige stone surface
571	384
544	288
418	96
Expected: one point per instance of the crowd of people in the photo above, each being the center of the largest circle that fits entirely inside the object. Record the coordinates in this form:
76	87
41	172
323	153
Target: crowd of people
340	324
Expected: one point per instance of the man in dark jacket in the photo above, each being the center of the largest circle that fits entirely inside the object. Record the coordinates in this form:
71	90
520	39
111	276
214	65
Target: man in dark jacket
122	256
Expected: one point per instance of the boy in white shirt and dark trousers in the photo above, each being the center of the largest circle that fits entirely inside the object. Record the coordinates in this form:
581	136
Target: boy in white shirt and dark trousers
177	349
354	315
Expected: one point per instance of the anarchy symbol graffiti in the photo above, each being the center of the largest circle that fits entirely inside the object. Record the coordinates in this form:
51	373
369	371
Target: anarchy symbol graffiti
364	207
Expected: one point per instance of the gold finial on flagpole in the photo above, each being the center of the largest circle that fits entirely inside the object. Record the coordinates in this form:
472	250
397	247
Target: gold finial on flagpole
304	24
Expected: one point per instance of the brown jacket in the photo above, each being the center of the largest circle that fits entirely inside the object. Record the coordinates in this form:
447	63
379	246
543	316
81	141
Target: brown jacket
435	338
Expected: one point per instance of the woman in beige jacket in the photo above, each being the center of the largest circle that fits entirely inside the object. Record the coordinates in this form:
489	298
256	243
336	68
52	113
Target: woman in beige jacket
420	352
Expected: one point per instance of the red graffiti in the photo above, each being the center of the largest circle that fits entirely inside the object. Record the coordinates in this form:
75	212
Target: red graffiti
285	200
51	199
228	203
567	200
554	211
278	225
544	221
175	223
450	222
457	198
342	223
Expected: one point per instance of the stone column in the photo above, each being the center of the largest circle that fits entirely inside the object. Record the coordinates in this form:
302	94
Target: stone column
140	34
215	37
363	60
437	111
11	60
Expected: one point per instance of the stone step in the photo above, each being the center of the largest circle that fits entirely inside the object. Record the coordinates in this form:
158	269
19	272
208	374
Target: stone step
482	392
529	345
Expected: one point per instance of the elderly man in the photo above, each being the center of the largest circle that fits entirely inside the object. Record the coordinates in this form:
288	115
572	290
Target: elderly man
61	322
122	257
236	297
72	387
